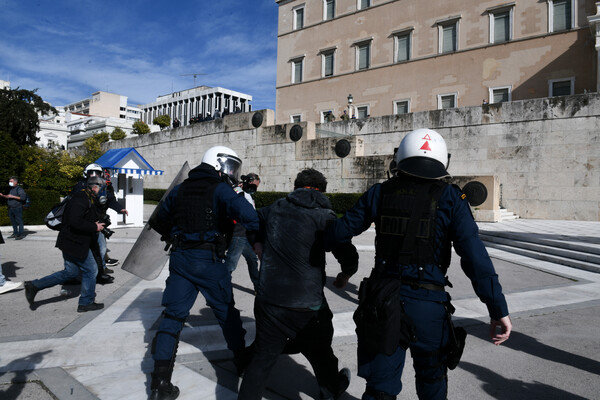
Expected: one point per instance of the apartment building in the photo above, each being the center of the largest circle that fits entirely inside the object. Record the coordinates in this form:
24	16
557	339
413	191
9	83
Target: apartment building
383	57
198	101
104	104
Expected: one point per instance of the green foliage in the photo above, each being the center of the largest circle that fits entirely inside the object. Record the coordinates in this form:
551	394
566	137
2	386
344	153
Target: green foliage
19	114
42	202
118	134
163	121
93	145
10	158
140	128
153	194
340	202
263	199
50	169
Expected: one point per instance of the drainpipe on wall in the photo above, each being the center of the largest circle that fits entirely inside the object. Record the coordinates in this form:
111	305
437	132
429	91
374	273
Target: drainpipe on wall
594	22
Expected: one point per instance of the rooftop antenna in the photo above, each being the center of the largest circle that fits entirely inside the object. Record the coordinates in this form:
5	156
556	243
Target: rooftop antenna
194	75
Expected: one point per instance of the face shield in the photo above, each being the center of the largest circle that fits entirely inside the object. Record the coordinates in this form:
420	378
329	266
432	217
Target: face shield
231	166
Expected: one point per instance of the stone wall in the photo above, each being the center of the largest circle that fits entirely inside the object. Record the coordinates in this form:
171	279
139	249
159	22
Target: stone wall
544	153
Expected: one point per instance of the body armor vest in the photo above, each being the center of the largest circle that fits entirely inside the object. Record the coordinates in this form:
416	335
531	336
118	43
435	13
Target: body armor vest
406	229
194	206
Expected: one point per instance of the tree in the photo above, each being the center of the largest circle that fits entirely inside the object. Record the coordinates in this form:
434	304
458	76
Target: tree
93	145
50	169
140	128
19	110
10	158
118	134
163	121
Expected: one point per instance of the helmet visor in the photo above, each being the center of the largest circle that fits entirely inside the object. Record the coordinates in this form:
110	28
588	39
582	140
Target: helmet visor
230	166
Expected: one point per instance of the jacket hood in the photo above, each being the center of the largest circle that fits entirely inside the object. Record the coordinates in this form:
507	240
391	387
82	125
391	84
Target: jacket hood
203	171
309	198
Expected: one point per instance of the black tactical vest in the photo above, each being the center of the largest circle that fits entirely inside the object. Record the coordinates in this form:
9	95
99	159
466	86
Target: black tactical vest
406	229
194	206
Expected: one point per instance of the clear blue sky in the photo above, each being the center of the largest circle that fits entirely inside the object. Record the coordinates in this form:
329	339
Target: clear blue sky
138	48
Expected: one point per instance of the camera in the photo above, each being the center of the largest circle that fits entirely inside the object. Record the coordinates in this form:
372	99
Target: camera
247	186
105	231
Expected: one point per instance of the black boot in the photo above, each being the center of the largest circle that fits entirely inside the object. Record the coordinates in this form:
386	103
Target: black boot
161	386
30	292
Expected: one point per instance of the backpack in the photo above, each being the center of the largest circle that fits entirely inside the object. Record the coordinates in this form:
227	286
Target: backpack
54	218
27	203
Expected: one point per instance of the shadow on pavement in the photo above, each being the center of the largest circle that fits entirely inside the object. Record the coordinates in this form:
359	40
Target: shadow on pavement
501	388
30	361
530	345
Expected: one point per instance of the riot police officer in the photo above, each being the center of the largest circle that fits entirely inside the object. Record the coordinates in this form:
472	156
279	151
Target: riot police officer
200	212
418	217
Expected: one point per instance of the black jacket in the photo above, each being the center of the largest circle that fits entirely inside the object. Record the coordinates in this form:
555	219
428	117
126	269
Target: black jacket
79	232
292	270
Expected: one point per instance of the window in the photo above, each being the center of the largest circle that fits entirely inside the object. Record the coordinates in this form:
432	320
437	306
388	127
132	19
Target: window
362	111
297	66
328	9
501	26
363	55
295	118
561	15
325	117
500	94
446	101
299	17
327	60
448	36
402	107
402	46
561	87
362	4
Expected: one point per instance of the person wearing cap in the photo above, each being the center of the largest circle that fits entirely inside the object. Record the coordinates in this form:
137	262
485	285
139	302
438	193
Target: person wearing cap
76	239
418	218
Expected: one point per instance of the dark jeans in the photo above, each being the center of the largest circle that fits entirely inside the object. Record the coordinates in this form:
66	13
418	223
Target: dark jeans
383	373
192	271
16	218
280	330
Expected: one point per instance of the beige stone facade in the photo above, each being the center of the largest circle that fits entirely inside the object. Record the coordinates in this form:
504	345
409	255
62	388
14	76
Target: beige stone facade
543	154
400	56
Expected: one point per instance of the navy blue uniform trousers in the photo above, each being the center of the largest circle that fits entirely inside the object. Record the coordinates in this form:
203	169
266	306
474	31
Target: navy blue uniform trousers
192	271
383	373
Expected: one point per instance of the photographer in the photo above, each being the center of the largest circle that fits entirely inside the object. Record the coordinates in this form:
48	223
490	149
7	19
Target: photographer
77	239
106	200
239	244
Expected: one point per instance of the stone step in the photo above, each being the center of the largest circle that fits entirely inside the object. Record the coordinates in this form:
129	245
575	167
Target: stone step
570	262
591	248
506	215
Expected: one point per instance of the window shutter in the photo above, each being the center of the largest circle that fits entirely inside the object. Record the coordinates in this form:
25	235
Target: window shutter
402	51
501	27
562	15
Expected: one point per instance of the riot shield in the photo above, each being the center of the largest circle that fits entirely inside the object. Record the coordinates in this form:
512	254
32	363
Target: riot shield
148	256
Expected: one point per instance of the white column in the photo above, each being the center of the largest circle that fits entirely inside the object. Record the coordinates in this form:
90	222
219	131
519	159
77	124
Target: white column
594	22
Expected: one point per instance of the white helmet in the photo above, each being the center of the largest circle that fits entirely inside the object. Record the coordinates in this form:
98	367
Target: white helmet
422	153
92	167
224	160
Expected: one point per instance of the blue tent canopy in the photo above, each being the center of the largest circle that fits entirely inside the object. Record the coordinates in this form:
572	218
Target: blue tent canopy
116	158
